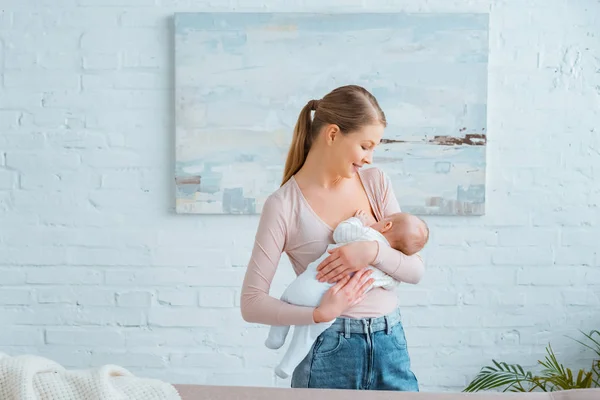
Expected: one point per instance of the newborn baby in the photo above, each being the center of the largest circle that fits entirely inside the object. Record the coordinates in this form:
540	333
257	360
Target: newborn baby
404	232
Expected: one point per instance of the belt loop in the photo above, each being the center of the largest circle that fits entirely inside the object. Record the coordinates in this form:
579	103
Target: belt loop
347	328
388	325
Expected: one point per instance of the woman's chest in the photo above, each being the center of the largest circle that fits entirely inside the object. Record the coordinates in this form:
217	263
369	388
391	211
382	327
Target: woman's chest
309	240
333	208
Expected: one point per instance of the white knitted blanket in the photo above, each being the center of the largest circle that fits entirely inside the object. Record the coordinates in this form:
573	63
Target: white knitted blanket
29	377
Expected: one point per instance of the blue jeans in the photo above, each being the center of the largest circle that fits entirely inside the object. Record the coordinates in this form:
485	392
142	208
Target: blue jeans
363	354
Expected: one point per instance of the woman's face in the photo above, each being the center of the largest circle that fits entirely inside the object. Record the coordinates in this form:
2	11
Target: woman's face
350	152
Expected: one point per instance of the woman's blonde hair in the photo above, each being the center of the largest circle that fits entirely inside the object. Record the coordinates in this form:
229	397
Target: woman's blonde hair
349	107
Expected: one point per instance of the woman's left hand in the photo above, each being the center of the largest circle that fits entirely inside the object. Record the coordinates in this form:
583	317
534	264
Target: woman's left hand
345	260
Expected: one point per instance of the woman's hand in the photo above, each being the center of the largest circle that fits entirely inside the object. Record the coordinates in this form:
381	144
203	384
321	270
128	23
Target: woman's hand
343	295
345	260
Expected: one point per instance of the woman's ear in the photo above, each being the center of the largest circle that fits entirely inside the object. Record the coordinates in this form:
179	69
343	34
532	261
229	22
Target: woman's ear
332	132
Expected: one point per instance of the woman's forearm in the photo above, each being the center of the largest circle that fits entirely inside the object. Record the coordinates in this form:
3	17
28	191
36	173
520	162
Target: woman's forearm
258	307
403	268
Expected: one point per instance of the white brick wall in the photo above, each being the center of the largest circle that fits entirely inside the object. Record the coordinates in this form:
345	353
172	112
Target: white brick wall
96	268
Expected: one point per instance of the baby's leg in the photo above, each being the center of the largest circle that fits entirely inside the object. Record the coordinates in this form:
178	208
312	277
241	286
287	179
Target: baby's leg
302	340
305	291
278	333
276	337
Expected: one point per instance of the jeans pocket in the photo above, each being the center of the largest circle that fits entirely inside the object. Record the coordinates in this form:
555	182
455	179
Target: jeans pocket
328	344
398	336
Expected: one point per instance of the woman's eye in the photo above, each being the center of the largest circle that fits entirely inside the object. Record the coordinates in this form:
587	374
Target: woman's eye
364	148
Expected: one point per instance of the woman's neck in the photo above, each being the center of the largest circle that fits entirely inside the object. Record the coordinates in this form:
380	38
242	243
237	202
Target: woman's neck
316	172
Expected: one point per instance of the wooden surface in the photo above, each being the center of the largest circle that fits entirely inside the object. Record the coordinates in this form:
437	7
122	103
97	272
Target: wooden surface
201	392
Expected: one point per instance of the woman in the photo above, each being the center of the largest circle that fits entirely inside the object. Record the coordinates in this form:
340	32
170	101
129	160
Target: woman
323	185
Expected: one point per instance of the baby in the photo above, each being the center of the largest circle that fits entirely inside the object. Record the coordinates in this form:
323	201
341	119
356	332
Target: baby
404	232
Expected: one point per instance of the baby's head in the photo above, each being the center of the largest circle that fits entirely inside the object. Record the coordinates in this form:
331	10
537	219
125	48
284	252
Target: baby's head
405	232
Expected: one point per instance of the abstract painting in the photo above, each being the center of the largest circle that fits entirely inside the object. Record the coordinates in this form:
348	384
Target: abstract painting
241	80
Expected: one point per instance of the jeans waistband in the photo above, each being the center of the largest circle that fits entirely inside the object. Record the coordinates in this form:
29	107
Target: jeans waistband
366	325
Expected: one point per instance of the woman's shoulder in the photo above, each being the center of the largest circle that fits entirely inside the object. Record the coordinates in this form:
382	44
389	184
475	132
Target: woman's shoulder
378	183
281	199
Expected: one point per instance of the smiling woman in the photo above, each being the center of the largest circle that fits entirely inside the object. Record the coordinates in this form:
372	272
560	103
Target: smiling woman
323	185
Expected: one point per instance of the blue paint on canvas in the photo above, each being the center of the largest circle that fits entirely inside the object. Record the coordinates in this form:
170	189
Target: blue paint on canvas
242	78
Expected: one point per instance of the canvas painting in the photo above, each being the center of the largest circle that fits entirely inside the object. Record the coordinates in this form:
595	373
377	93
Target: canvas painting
241	80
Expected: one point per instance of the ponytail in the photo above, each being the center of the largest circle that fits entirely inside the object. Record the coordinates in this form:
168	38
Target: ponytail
301	142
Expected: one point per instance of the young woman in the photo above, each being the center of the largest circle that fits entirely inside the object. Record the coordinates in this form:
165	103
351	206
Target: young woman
324	184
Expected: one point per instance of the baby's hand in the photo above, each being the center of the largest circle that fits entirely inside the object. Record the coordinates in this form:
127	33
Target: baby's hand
365	218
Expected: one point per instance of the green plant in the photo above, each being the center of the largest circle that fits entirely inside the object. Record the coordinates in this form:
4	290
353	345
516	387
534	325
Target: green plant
553	376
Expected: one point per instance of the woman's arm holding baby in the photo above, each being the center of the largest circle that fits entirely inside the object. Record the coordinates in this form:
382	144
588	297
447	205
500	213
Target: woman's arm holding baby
401	267
358	255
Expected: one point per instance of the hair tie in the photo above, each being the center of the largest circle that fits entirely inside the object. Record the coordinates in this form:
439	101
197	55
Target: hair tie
314	104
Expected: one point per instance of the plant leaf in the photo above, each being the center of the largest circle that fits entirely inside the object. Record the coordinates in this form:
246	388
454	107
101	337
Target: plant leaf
502	374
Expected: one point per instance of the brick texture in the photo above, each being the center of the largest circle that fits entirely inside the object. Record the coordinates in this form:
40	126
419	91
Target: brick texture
96	268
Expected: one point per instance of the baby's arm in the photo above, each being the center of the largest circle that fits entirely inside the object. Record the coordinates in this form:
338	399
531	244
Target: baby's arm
349	230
